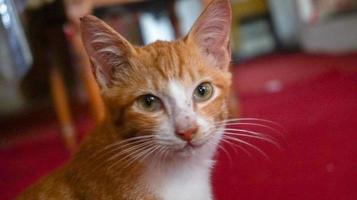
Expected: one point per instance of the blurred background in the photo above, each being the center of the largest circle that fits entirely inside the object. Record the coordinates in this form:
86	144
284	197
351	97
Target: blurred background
294	62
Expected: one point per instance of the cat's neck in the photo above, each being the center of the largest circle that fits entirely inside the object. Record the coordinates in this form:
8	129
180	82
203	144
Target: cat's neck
182	180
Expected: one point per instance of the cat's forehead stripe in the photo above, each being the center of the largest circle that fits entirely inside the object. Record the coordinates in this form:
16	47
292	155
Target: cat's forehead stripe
170	60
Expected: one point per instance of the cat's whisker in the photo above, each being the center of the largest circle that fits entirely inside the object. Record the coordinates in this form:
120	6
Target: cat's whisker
124	163
151	152
131	154
128	140
257	125
234	146
129	150
250	119
165	142
226	152
209	140
255	137
248	144
121	149
123	143
141	156
166	154
209	135
229	143
249	135
144	155
264	122
107	161
159	157
116	148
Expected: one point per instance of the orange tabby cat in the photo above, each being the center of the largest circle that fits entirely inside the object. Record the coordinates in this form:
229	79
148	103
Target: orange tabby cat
164	102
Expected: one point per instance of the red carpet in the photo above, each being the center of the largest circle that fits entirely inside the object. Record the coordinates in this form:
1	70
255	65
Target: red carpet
313	96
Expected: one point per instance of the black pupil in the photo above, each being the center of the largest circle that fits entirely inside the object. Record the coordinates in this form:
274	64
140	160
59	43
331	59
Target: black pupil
149	100
202	90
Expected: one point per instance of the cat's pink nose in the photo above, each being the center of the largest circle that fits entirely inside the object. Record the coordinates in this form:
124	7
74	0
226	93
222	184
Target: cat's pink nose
187	135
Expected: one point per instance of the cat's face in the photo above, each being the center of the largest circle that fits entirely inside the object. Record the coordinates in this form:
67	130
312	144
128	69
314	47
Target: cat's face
172	92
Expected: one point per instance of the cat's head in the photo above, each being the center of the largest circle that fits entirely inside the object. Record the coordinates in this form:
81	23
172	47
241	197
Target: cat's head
175	93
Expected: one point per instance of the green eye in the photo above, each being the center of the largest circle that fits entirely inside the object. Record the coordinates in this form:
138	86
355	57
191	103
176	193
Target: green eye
203	92
149	103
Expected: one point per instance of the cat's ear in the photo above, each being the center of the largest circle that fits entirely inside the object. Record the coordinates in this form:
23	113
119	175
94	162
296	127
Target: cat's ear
108	51
211	33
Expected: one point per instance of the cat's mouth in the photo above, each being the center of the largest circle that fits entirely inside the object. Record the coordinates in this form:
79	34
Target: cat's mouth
190	147
187	150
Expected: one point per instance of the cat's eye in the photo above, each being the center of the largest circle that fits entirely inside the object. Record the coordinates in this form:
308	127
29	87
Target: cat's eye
203	92
149	103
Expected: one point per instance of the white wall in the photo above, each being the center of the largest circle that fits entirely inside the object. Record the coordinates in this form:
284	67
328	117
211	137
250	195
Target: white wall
285	18
334	36
188	11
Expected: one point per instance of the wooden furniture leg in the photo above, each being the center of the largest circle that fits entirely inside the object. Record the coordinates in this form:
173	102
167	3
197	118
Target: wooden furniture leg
60	99
75	10
95	100
205	2
86	75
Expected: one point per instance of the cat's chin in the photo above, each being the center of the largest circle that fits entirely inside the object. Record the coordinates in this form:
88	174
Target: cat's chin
189	150
186	152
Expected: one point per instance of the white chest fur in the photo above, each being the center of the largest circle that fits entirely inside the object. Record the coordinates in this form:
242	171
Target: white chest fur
182	182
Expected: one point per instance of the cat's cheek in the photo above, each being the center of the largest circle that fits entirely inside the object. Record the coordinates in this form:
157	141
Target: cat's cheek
215	110
165	128
140	122
205	125
206	131
167	132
